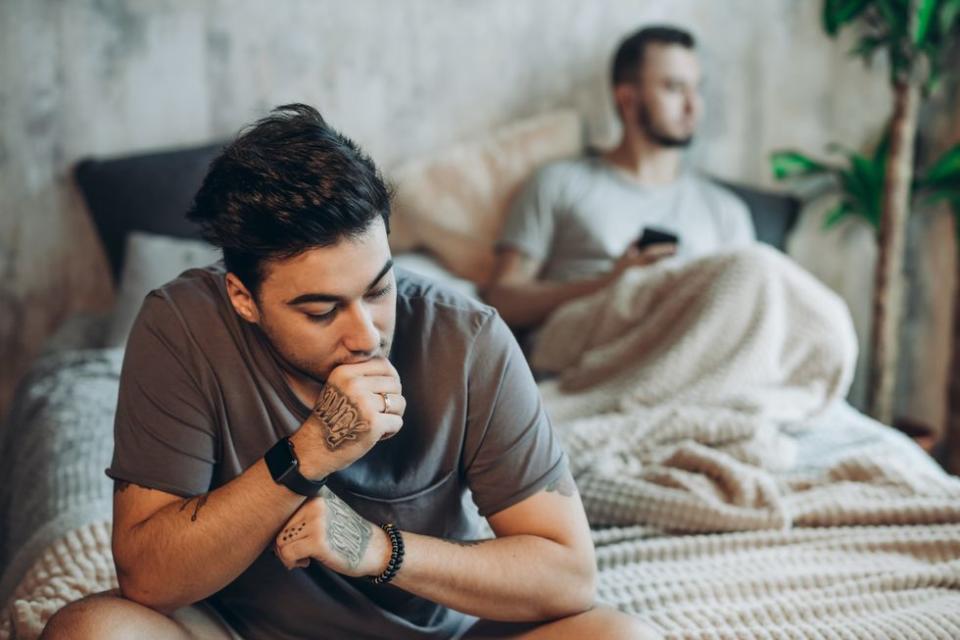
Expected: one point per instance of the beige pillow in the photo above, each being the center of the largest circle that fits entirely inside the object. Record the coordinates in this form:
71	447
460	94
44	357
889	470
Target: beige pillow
453	203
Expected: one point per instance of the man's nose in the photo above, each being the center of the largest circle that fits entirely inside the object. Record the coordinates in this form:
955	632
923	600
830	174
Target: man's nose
361	334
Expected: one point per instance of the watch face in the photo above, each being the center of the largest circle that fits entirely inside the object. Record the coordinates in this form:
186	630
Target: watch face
280	460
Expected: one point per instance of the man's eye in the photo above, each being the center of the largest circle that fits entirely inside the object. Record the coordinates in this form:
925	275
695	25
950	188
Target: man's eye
322	317
379	293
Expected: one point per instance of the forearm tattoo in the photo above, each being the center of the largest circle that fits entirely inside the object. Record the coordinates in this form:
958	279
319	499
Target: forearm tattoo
200	501
347	533
339	418
564	485
464	543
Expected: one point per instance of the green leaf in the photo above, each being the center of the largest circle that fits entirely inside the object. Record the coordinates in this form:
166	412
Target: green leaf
870	178
837	214
949	12
792	164
945	169
867	46
926	9
837	13
895	17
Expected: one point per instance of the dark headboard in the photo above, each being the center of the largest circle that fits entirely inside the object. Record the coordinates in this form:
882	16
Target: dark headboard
152	192
774	214
146	192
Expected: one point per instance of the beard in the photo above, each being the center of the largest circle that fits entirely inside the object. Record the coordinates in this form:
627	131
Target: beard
657	134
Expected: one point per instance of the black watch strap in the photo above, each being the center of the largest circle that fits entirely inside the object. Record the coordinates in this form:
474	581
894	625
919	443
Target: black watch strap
285	469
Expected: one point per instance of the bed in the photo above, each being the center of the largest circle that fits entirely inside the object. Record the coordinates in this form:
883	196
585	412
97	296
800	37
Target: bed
870	547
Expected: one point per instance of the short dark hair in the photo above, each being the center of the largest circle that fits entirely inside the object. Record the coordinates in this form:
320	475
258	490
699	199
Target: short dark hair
628	60
286	184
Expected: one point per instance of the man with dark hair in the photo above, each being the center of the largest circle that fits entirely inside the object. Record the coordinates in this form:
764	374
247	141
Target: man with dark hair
273	477
574	228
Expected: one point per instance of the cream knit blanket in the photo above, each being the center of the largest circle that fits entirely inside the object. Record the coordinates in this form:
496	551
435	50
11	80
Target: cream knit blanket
864	583
684	398
678	389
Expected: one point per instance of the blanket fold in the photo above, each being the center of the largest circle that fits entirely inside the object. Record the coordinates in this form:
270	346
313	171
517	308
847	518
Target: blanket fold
678	384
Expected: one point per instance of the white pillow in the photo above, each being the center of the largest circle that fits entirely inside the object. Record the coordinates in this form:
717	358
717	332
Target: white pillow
151	261
428	267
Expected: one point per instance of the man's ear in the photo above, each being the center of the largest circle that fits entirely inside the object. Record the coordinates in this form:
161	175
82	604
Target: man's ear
624	95
242	300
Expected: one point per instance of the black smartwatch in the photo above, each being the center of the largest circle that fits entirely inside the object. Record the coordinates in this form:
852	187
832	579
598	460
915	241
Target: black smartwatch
285	469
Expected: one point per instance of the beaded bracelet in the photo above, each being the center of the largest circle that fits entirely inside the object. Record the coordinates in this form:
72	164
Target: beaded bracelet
396	555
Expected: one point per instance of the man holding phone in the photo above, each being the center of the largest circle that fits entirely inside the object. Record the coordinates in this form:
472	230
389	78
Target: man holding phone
580	223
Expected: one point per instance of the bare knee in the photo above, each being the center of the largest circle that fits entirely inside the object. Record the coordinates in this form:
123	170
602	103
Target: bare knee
107	615
612	624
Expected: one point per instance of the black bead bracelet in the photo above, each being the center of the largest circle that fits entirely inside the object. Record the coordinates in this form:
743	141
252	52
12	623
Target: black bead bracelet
396	555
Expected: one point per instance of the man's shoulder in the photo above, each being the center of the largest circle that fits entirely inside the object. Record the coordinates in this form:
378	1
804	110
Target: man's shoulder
559	175
190	302
719	197
430	299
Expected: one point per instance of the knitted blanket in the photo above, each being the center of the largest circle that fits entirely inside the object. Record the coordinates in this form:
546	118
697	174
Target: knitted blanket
675	405
688	400
55	500
868	583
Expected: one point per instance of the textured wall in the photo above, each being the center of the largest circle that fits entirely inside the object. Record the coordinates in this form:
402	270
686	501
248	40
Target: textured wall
110	76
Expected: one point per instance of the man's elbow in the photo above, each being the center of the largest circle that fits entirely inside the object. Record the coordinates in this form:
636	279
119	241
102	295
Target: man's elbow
135	586
584	596
577	592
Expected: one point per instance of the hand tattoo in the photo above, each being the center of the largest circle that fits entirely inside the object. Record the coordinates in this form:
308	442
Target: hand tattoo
338	417
290	533
347	533
564	485
201	500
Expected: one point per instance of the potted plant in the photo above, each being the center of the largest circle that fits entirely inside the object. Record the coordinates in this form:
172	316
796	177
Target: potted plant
914	35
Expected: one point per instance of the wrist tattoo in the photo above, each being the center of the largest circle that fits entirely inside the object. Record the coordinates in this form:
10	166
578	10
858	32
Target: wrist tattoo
564	485
200	501
339	418
347	533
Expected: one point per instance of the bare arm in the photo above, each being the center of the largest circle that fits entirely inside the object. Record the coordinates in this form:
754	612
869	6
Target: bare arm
540	566
170	551
160	540
525	301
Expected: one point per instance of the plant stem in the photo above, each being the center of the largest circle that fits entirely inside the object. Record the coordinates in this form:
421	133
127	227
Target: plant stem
888	291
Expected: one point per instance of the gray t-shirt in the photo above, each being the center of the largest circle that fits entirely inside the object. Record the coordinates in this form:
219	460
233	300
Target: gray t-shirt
202	398
579	216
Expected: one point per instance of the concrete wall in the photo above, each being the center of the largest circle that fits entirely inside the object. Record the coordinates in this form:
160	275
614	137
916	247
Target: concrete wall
81	77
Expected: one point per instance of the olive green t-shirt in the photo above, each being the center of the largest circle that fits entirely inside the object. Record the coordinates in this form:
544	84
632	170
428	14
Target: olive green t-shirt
202	398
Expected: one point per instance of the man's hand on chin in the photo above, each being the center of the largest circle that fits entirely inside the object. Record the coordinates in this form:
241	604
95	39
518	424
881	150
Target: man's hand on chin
360	405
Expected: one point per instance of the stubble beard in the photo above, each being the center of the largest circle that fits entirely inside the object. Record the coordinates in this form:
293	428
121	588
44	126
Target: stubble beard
658	136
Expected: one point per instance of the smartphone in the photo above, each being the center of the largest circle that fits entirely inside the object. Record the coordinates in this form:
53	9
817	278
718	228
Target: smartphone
652	235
